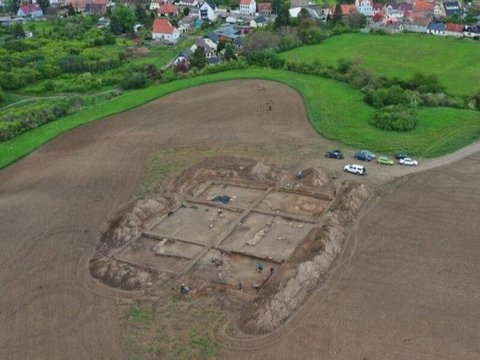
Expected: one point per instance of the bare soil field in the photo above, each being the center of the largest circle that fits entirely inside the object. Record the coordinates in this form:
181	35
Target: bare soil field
405	287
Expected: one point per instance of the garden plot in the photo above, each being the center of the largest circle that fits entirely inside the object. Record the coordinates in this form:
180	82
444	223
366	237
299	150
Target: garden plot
196	223
239	196
235	271
268	237
293	203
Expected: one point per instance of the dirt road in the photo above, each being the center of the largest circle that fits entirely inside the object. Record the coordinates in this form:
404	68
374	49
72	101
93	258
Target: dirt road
410	290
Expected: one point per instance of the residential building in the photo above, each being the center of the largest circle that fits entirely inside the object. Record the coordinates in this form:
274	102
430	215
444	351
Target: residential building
248	7
452	29
264	9
208	11
436	28
155	4
259	22
30	10
364	7
167	10
347	9
453	8
163	30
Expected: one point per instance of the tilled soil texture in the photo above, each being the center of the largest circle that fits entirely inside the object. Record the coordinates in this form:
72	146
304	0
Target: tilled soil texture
409	285
55	204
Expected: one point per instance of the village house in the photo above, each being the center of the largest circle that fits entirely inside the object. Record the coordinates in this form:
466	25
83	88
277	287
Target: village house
436	28
259	22
377	8
264	9
155	4
188	2
208	11
248	7
298	3
418	24
30	10
438	9
96	7
347	9
452	29
167	10
472	31
164	31
453	8
364	7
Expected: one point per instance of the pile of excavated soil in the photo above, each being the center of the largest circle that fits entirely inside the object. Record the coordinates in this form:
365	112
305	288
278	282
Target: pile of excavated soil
290	294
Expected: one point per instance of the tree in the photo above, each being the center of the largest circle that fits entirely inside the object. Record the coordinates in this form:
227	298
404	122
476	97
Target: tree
140	14
229	52
283	17
12	5
186	11
122	20
355	20
337	14
198	59
17	31
44	4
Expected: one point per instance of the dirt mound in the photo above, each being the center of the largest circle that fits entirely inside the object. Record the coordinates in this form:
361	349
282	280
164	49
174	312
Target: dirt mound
290	294
312	178
119	275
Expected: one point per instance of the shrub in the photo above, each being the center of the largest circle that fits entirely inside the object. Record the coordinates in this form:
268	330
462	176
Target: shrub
267	58
395	118
393	95
134	80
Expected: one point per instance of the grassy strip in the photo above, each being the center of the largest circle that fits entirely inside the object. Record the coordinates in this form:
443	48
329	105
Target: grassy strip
336	110
455	61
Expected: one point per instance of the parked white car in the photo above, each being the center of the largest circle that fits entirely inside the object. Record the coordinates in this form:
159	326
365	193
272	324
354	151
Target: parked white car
355	169
408	161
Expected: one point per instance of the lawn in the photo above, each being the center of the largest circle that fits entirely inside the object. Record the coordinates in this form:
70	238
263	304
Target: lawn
455	61
336	110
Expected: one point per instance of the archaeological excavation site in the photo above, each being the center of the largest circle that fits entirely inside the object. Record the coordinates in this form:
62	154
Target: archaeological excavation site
262	235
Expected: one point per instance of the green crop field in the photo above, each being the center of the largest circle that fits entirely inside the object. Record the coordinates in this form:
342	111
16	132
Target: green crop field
455	61
336	111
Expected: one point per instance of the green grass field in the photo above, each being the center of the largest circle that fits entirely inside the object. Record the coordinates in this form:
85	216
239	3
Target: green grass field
336	110
455	61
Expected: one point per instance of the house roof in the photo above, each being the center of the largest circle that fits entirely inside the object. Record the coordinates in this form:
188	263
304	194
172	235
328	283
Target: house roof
162	26
421	20
405	6
30	8
452	7
378	16
423	5
210	3
260	19
377	7
436	26
264	6
245	2
454	27
167	9
348	9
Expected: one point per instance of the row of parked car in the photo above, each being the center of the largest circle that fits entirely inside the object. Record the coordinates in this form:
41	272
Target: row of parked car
365	155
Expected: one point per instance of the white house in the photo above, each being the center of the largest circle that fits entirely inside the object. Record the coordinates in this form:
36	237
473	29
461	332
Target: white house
208	11
155	4
164	31
364	7
259	21
30	10
248	7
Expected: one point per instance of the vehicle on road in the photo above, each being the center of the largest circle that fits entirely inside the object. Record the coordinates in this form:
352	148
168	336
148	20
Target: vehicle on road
364	155
334	154
408	161
355	169
384	160
400	156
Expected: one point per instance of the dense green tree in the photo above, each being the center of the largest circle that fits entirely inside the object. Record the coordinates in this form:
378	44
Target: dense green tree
337	14
186	11
11	6
283	17
230	51
198	59
44	4
122	19
140	14
17	31
355	20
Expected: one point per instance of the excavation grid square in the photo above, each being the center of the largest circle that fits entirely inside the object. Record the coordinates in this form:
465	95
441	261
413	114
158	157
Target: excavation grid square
142	253
267	236
197	223
235	270
241	197
293	204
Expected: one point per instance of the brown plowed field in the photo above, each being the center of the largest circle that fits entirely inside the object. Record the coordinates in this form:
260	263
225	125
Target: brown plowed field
410	289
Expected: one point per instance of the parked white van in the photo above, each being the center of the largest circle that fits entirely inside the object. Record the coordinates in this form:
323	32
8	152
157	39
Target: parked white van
356	169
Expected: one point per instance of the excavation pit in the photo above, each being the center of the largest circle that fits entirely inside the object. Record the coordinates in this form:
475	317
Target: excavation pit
197	223
267	237
293	203
237	272
240	196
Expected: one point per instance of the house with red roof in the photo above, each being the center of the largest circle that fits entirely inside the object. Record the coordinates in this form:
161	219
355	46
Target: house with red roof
167	10
248	7
30	10
264	9
452	29
347	9
164	31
